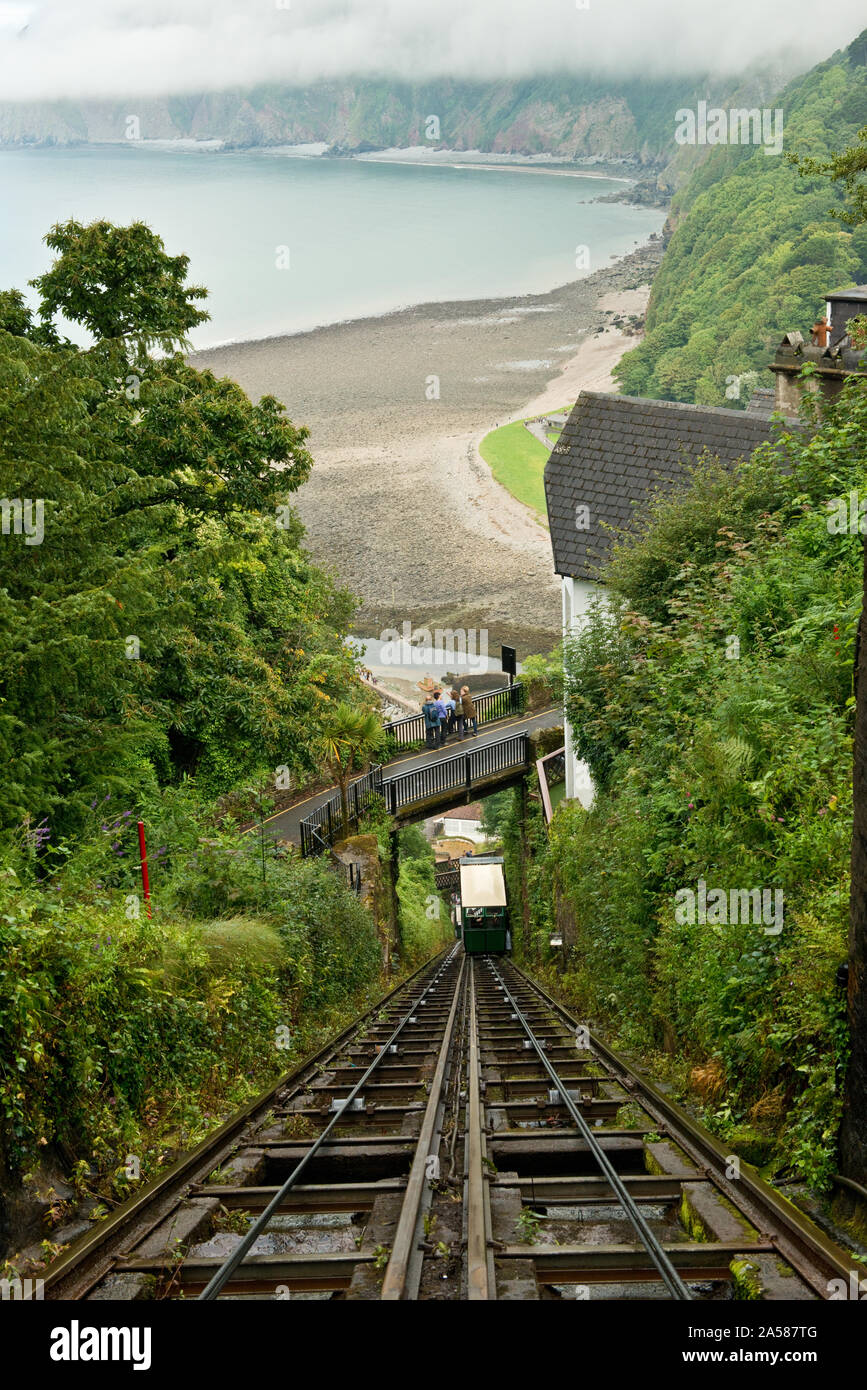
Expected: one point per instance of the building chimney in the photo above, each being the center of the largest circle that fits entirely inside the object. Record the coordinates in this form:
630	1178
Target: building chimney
829	350
842	306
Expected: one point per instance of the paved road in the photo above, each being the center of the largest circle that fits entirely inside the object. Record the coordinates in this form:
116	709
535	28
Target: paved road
284	825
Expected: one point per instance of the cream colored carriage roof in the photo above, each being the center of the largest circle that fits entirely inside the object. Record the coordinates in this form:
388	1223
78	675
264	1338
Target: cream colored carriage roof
482	885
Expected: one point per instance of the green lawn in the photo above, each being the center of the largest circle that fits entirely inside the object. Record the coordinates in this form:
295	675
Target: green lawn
517	460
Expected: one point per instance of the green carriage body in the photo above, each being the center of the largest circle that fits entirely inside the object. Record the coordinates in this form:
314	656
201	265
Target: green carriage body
484	913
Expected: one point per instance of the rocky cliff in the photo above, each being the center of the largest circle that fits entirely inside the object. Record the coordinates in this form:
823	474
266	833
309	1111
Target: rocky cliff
567	118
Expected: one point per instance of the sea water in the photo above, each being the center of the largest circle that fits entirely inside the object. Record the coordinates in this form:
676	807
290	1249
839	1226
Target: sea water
285	244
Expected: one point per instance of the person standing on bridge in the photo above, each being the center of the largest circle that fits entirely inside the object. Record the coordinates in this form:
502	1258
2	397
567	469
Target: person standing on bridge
468	709
431	722
455	710
443	714
449	703
459	712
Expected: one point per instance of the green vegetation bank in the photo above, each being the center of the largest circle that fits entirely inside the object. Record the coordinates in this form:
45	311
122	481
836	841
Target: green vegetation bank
713	702
753	252
167	651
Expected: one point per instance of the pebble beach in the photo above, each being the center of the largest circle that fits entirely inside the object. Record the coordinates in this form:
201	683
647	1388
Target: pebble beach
400	506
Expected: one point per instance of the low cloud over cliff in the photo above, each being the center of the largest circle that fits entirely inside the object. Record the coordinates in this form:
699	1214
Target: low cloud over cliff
120	48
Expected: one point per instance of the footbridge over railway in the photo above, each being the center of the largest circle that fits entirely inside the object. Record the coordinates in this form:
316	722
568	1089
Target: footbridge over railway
418	784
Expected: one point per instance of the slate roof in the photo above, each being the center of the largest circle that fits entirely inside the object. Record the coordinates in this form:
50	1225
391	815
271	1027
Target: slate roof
761	402
615	450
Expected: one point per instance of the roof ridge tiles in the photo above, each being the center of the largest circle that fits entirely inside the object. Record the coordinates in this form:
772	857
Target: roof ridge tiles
619	450
651	404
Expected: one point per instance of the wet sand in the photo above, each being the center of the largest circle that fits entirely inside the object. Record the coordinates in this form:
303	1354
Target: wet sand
400	505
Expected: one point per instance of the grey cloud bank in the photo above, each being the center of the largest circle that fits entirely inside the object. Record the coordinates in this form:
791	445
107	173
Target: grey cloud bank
119	48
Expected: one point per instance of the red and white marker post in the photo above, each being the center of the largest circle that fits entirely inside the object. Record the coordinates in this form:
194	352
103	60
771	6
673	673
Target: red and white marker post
144	865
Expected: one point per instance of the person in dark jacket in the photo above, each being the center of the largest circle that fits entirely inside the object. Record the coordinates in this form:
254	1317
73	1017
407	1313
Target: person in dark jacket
468	709
431	722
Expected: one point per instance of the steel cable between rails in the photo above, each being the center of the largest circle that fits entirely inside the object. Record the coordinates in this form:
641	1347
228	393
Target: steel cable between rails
456	1090
228	1267
666	1270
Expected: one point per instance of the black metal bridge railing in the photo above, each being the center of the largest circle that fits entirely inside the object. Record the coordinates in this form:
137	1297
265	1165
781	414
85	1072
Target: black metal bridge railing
463	772
449	880
494	704
447	874
324	826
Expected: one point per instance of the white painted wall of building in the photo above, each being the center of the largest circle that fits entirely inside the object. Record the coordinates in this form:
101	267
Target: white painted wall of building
577	596
461	829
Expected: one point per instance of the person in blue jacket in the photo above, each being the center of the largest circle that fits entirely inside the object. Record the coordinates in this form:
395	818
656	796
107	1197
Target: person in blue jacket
431	722
443	713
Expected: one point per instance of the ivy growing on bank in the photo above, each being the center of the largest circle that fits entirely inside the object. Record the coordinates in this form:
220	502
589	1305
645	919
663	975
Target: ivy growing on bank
168	650
121	1033
712	698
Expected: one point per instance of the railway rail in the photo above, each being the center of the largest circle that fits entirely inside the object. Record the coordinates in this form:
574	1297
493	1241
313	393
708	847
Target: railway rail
468	1139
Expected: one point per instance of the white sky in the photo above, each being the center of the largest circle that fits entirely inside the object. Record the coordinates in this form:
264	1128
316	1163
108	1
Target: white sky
118	48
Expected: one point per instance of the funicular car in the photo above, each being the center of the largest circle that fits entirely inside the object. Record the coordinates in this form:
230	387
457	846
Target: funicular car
484	913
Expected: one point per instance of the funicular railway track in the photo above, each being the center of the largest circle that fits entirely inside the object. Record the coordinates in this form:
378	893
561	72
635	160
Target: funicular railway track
466	1140
311	1159
563	1111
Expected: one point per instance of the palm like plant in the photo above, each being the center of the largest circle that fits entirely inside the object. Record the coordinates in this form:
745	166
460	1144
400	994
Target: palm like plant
350	741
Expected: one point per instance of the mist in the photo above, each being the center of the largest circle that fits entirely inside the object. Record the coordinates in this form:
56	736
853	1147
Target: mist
117	48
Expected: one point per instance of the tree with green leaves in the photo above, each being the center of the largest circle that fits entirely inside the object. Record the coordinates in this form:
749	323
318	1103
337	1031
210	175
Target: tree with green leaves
15	317
214	451
351	738
119	283
755	246
168	622
849	169
711	698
